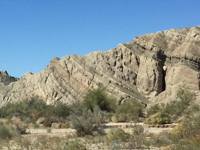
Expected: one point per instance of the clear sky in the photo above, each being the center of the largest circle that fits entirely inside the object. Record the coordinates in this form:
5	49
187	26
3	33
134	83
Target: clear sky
32	32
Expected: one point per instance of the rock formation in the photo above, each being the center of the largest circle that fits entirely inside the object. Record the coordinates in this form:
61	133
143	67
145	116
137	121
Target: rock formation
6	79
151	68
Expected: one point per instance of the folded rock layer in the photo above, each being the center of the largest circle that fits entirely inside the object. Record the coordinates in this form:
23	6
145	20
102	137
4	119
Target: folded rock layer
150	68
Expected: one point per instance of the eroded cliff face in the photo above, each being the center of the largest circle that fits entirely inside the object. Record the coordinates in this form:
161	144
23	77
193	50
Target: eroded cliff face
150	68
177	53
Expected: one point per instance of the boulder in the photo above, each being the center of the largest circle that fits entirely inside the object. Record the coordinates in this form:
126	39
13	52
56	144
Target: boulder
40	120
56	125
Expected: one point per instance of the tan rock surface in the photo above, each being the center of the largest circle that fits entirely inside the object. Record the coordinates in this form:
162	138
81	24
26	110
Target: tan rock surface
152	66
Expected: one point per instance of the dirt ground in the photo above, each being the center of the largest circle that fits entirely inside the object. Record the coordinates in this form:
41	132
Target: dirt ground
127	127
66	134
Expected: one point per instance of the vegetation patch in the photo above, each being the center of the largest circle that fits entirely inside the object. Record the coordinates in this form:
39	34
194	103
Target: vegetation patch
88	118
129	111
167	113
99	97
75	145
7	132
29	111
118	134
88	122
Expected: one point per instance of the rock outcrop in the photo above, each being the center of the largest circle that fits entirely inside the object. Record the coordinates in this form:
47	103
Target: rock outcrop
6	79
151	68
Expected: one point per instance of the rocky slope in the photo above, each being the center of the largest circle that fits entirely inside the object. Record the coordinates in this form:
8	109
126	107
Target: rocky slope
5	78
151	68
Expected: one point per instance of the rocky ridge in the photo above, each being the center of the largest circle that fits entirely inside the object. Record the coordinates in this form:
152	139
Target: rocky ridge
151	68
5	78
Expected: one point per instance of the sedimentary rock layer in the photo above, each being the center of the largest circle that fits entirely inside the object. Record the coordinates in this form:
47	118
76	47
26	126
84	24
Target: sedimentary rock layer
150	68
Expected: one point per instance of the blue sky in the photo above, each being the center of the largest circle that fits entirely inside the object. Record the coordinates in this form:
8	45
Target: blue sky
32	32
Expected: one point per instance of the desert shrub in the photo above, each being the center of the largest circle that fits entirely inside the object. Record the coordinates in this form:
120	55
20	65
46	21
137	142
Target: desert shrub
177	108
130	110
194	140
34	104
194	108
99	97
188	132
49	120
88	122
161	114
190	126
158	114
166	113
184	144
1	123
158	118
154	109
161	140
108	117
23	108
31	109
8	110
186	96
138	130
76	108
39	108
62	110
74	145
7	132
118	134
18	125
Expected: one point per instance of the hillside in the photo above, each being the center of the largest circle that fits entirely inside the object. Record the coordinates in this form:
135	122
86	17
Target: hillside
150	68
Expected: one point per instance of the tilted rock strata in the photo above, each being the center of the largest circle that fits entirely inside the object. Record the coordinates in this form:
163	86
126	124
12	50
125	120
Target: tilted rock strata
69	78
179	51
150	68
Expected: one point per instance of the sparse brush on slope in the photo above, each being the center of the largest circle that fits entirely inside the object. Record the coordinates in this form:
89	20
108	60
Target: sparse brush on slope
32	109
166	113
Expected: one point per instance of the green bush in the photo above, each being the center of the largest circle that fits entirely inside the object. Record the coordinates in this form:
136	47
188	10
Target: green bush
31	109
161	114
194	108
138	130
166	113
118	134
24	108
99	97
76	108
177	108
154	109
158	118
185	145
130	110
161	140
108	117
188	132
49	120
88	122
186	96
74	145
7	132
62	110
190	126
